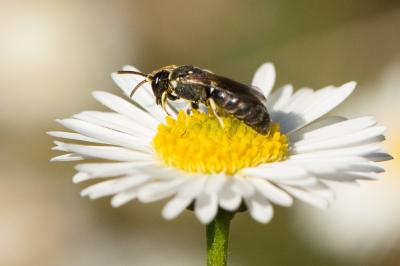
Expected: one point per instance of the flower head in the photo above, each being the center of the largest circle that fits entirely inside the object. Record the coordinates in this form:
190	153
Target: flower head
150	156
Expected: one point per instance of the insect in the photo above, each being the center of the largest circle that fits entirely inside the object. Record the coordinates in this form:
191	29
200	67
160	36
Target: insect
220	94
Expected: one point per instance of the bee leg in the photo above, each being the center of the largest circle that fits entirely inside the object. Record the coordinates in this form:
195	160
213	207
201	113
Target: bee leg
195	105
172	97
164	102
191	106
214	108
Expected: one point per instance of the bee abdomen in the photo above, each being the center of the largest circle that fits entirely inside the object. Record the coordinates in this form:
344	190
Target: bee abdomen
228	102
260	122
253	114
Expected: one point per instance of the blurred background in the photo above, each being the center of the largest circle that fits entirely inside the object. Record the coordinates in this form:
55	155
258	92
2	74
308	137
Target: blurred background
54	53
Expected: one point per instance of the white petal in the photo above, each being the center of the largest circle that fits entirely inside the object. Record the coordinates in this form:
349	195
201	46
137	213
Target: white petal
260	209
106	152
143	96
110	168
206	207
334	160
123	197
175	206
320	123
159	171
322	190
68	158
58	147
73	136
264	78
333	130
300	182
158	190
272	192
307	197
364	175
242	186
299	100
366	167
275	171
114	186
331	165
365	136
80	177
116	122
325	100
214	183
348	176
126	108
95	170
184	197
105	134
379	156
362	151
193	187
278	99
229	198
98	186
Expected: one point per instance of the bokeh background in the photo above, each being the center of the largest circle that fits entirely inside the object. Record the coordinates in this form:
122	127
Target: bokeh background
54	53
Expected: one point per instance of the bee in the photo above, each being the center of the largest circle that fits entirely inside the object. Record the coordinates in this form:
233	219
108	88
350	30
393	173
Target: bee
220	94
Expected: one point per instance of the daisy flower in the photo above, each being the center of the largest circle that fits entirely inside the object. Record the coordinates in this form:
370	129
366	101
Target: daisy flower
195	163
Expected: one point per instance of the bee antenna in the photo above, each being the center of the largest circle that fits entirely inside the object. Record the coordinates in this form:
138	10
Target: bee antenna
137	87
131	72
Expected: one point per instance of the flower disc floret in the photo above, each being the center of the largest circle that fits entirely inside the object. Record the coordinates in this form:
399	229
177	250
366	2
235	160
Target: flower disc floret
198	144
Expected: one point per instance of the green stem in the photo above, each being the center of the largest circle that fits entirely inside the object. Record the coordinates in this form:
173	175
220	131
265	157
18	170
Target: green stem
217	238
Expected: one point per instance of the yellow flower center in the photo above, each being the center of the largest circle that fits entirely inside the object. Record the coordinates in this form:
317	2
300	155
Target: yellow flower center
198	143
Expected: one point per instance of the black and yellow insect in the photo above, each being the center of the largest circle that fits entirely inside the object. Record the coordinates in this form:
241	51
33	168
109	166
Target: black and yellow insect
218	93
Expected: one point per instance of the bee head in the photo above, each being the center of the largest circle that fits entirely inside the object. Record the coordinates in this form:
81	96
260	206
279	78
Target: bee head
159	83
159	80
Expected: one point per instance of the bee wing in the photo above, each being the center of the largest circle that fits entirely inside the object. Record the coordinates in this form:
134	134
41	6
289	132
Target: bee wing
257	88
211	80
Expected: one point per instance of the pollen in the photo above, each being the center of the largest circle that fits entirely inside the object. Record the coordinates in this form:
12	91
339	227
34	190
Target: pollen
198	144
